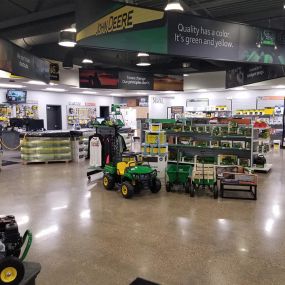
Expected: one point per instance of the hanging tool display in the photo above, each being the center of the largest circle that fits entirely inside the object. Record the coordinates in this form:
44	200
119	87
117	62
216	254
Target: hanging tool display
12	269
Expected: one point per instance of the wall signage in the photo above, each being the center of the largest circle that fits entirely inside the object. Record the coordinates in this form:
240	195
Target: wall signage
54	71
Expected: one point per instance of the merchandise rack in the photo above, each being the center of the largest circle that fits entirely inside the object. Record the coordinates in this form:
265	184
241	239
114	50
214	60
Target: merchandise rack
205	139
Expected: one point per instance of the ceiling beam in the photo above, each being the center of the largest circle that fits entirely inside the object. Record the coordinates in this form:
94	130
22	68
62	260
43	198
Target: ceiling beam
38	16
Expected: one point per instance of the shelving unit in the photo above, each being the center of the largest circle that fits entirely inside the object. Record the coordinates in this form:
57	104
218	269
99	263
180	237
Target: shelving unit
191	139
80	143
262	144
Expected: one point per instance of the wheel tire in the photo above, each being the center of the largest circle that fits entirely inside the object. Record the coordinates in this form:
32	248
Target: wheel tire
187	187
168	187
216	191
12	271
192	190
156	186
108	181
127	190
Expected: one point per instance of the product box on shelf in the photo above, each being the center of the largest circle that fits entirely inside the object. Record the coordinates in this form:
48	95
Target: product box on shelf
227	159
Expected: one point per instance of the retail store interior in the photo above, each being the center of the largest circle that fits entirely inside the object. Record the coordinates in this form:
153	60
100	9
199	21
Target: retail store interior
128	159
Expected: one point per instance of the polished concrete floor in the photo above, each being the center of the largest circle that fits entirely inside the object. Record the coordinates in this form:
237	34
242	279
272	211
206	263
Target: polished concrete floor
86	235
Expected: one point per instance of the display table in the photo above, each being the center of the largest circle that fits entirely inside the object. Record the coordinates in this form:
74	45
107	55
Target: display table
239	182
49	146
31	272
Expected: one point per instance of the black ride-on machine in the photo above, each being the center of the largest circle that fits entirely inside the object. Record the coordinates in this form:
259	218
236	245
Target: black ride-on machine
12	269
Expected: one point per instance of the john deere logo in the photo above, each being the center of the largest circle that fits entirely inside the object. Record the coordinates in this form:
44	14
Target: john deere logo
125	18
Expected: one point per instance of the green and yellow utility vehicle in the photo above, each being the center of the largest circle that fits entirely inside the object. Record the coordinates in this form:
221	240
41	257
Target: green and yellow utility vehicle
131	176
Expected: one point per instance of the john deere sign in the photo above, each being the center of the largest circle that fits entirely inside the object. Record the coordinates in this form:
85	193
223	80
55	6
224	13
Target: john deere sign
144	29
124	19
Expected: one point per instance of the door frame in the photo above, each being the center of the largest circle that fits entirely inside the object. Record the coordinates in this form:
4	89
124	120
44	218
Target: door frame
60	108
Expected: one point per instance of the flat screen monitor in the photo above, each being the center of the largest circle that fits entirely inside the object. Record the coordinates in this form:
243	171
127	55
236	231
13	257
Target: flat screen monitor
16	96
34	125
17	122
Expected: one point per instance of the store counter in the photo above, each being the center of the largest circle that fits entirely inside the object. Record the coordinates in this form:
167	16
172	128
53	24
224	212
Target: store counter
46	146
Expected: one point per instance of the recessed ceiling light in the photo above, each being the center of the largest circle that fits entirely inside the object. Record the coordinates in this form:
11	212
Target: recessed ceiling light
34	82
115	94
185	75
53	84
142	93
8	85
279	86
239	89
87	61
143	64
174	5
54	89
202	90
89	92
143	54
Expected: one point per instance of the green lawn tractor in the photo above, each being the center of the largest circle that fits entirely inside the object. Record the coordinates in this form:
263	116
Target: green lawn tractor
131	176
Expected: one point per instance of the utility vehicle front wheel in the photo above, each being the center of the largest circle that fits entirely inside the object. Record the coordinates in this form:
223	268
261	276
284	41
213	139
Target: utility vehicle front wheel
127	190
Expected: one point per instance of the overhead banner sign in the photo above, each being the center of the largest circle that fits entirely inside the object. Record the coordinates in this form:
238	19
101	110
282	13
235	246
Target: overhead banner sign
249	74
116	25
142	28
16	60
108	79
205	38
135	81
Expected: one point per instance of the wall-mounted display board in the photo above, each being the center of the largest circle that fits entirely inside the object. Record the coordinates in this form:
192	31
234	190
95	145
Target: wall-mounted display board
81	115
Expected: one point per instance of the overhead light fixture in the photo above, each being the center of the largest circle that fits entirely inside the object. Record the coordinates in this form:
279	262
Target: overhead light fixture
143	62
258	45
89	92
87	61
53	84
115	94
142	93
202	90
67	37
143	54
174	5
276	47
8	85
54	89
185	75
4	74
34	82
